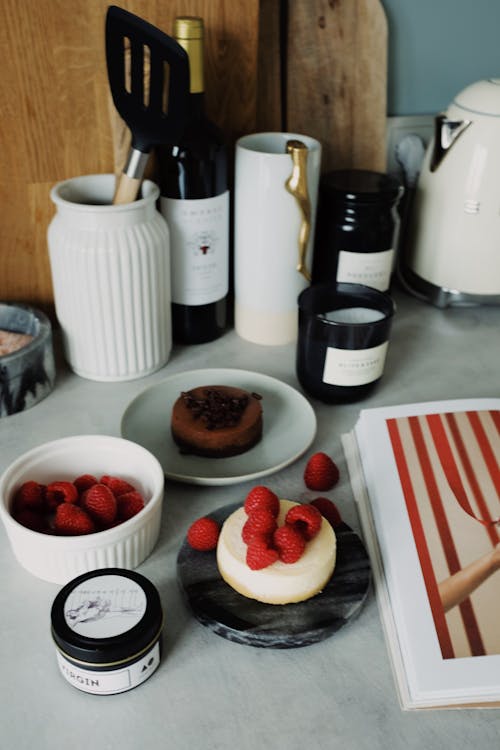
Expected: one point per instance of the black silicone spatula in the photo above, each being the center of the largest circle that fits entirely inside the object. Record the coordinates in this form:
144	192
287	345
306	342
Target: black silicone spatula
148	74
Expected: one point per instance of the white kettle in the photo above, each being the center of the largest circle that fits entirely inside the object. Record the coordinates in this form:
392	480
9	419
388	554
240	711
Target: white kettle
452	253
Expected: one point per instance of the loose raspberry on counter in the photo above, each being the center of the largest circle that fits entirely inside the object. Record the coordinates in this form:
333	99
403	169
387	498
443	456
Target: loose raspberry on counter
61	492
100	504
261	497
72	520
203	534
321	474
289	543
260	555
328	510
306	519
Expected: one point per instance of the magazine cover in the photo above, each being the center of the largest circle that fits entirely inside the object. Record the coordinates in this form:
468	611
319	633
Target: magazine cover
432	479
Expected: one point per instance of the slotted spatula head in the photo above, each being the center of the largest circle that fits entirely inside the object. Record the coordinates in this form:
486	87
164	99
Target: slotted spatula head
148	74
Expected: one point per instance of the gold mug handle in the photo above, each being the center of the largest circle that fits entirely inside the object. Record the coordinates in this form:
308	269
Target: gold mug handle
297	186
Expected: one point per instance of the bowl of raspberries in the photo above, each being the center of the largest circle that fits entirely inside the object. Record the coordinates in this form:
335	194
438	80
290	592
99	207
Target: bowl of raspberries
81	503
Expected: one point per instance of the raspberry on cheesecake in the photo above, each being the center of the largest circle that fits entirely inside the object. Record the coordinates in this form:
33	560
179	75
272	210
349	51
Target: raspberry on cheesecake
278	567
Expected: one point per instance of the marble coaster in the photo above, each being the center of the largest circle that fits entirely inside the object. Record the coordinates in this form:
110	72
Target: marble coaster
229	614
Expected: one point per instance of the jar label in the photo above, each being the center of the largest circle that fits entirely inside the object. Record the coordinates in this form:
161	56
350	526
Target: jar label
105	606
199	248
111	681
354	366
371	269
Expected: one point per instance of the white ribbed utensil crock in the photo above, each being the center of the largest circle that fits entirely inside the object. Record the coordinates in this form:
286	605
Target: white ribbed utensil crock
111	277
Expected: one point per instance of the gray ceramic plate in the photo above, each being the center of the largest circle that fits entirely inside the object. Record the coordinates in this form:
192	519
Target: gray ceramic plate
289	427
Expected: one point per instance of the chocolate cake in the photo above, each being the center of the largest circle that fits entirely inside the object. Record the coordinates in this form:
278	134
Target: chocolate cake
217	421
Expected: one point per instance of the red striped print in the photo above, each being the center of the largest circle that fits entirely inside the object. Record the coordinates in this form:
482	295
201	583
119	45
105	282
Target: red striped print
453	477
486	449
436	606
495	415
442	447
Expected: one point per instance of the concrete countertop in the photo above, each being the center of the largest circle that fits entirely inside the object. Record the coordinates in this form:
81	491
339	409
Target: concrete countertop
210	693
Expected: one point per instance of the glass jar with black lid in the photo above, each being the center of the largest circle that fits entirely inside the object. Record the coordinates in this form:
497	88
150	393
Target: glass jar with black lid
357	228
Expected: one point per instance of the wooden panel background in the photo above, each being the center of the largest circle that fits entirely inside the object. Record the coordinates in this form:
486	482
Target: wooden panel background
54	109
337	79
57	121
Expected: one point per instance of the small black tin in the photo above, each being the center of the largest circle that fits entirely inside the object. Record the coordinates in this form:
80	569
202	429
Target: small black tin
107	625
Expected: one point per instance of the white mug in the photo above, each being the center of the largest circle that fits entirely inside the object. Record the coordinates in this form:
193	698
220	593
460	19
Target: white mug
276	192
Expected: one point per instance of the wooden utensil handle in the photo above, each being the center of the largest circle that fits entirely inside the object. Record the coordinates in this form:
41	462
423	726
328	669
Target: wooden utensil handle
127	185
126	189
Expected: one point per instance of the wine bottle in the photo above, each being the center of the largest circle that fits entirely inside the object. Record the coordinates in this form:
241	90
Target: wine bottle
195	202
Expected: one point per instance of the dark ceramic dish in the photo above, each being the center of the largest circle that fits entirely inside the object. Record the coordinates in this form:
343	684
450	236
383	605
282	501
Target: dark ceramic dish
27	375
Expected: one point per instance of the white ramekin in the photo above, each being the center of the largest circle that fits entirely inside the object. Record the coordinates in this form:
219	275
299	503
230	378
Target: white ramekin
59	559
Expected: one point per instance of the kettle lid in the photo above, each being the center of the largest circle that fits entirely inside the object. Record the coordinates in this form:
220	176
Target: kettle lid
482	98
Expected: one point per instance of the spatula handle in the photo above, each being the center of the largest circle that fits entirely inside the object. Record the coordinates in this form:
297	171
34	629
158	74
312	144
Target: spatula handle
126	189
128	183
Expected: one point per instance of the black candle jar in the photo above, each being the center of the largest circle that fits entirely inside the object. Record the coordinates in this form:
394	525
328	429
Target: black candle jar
343	339
357	228
106	626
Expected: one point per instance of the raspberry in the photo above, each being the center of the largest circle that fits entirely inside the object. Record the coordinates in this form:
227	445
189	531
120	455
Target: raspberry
100	504
61	492
261	522
32	519
261	497
321	474
289	542
328	510
30	495
260	555
306	519
72	520
128	505
84	482
203	534
116	485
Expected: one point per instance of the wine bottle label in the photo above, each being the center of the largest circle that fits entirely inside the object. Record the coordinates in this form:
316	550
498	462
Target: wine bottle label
371	269
199	248
354	366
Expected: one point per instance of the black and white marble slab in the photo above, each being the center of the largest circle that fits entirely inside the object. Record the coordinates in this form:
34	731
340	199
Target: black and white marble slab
235	617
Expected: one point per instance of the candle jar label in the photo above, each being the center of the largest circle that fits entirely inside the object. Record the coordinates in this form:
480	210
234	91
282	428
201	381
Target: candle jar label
372	269
110	681
105	606
351	367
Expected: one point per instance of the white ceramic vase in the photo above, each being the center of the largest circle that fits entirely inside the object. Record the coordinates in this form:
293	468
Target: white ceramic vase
111	277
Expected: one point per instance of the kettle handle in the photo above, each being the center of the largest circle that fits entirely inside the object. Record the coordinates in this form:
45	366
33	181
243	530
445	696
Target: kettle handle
446	132
297	186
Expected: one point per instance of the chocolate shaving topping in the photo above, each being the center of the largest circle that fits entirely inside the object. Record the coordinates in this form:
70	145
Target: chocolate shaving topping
216	409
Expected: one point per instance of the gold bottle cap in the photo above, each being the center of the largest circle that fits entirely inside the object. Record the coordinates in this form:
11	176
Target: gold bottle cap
188	31
188	27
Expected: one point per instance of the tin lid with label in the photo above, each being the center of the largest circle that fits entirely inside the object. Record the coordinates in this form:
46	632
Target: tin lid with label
360	186
106	616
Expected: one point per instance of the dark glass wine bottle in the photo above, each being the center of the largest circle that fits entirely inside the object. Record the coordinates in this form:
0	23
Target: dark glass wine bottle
195	202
